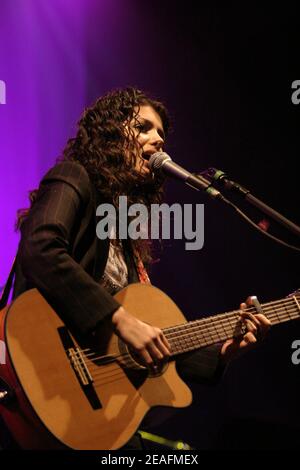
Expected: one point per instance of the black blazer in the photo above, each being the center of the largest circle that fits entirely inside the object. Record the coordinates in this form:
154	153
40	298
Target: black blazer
60	254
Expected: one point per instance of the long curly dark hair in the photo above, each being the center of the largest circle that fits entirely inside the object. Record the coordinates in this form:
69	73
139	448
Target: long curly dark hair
109	153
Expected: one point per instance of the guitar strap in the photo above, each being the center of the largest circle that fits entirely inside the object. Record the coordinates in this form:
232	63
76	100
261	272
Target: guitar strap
141	270
8	285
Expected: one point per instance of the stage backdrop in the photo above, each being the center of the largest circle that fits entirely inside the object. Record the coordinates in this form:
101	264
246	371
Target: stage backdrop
226	75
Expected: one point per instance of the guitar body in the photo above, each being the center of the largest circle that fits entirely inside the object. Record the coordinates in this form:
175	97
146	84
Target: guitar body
90	400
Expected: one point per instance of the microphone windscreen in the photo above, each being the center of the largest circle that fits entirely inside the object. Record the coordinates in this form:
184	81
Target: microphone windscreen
157	159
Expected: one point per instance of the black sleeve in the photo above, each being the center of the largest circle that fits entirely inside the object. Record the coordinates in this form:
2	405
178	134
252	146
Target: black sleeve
44	250
202	366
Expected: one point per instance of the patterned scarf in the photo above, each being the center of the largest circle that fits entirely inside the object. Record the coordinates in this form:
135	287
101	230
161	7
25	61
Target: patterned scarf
141	270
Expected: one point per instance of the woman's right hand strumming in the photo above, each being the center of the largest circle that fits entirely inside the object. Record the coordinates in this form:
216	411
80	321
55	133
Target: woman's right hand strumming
147	341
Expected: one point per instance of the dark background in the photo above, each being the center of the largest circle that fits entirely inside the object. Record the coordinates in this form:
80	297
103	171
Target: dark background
225	75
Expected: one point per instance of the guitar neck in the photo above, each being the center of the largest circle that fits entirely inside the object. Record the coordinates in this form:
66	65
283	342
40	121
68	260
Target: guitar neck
218	328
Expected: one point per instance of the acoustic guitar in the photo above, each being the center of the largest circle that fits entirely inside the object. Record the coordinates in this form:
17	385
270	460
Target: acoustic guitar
61	392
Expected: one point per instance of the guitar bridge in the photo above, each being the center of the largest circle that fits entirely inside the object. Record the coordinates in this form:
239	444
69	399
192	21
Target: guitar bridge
79	366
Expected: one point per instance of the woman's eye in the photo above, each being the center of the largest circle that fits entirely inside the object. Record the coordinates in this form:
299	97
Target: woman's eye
141	127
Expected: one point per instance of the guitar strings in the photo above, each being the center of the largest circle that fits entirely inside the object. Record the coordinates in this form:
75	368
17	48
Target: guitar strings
119	371
252	310
126	355
227	322
114	375
101	379
215	326
220	318
187	336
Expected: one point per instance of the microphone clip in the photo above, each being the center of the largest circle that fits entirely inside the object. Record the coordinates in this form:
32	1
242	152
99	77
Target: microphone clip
218	176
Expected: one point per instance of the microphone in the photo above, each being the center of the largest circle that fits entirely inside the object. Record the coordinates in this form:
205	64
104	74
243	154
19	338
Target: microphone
163	161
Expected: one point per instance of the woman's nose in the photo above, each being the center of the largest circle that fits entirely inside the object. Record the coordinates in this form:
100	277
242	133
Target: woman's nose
157	140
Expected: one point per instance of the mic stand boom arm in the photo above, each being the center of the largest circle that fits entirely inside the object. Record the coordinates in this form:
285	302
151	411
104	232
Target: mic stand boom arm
220	176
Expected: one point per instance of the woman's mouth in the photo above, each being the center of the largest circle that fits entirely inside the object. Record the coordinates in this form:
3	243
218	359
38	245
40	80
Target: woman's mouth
146	156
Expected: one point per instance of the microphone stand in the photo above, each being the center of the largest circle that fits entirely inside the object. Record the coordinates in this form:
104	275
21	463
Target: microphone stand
273	214
220	176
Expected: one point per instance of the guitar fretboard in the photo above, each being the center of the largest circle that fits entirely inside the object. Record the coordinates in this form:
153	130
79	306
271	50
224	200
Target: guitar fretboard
218	328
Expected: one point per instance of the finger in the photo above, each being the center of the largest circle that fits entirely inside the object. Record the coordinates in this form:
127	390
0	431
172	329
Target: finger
154	352
264	326
251	317
162	347
263	320
146	358
251	327
253	301
243	305
249	339
165	342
